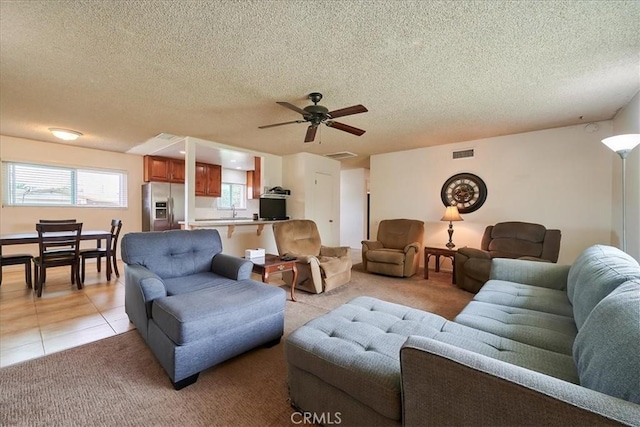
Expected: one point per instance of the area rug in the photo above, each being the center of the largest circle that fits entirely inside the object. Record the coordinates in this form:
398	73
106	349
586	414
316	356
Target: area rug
118	382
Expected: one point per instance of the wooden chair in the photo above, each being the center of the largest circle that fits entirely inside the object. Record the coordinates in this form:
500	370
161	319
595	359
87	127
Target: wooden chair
17	259
59	245
56	221
98	252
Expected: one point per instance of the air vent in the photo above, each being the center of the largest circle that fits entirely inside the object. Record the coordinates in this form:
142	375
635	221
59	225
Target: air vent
341	155
166	136
463	154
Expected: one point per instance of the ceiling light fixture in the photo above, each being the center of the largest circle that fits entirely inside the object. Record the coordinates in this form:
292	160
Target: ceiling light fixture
65	134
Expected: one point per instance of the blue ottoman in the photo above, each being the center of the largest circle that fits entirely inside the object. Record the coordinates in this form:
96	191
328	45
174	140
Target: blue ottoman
200	329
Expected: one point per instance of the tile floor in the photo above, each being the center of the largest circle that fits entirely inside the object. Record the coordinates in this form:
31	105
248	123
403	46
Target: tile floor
62	318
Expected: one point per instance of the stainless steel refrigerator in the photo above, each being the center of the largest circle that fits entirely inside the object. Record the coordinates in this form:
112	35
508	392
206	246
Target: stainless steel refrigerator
162	206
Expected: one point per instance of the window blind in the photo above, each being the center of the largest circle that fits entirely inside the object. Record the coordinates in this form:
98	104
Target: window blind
28	184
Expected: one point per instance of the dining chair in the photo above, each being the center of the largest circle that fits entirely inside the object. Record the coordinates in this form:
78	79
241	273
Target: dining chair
99	252
57	221
58	245
17	259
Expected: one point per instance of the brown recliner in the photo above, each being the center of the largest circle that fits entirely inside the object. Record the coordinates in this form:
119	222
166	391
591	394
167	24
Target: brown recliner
517	240
320	268
396	252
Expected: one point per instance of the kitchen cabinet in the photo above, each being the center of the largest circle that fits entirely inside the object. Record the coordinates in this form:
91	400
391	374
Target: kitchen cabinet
208	180
254	182
163	169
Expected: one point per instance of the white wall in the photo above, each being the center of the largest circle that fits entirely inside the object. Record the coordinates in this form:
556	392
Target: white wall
298	175
628	121
246	237
16	219
353	207
561	178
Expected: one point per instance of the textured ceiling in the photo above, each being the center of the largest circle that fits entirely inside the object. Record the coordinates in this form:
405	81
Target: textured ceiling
430	73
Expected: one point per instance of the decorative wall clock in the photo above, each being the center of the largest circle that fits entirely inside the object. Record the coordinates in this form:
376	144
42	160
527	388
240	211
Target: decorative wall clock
465	190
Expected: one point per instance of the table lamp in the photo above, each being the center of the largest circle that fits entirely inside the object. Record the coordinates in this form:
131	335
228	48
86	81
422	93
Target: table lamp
451	214
623	145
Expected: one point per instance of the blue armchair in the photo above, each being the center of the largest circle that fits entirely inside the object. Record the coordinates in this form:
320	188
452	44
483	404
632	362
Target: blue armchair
194	306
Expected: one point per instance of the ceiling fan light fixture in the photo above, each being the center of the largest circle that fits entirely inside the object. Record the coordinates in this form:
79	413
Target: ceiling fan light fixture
65	134
316	115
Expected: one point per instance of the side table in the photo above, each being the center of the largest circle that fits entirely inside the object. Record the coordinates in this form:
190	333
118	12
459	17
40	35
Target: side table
437	252
273	264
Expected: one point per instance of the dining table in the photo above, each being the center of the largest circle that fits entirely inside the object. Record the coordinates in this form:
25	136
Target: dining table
32	238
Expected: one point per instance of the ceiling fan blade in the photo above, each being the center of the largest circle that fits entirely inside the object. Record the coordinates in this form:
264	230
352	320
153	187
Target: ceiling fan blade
280	124
292	107
346	128
356	109
311	133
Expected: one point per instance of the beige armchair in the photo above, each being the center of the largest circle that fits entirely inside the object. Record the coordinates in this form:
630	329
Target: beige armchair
320	268
518	240
396	252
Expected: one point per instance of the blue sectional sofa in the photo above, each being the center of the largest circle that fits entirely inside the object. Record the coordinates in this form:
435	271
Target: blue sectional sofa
193	305
540	344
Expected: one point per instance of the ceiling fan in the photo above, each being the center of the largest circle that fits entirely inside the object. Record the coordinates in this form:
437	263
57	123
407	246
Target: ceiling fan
317	114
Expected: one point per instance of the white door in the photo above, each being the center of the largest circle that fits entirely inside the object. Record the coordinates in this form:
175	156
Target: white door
323	208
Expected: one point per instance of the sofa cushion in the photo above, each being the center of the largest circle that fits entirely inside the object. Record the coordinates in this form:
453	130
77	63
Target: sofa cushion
545	330
398	233
596	272
172	253
516	239
386	256
356	348
529	297
200	314
195	282
607	347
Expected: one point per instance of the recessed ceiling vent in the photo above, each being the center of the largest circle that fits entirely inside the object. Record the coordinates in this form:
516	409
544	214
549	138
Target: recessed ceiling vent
168	137
341	155
463	154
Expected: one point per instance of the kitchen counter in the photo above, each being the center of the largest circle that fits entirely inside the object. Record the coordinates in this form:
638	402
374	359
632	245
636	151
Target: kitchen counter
230	223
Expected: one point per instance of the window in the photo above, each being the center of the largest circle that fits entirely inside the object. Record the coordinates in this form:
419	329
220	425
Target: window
41	185
233	196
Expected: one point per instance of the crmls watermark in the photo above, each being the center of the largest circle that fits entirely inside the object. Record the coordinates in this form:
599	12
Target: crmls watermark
323	418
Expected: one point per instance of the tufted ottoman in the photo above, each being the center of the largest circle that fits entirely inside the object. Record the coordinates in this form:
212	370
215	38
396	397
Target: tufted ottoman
349	360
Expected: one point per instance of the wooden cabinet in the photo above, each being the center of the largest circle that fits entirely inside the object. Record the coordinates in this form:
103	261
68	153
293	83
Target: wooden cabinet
177	170
208	180
201	179
163	169
254	182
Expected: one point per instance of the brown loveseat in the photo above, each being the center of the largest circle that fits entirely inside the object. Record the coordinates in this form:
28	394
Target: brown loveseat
517	240
320	268
396	252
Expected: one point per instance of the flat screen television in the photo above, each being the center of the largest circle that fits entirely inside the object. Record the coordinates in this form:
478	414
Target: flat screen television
273	209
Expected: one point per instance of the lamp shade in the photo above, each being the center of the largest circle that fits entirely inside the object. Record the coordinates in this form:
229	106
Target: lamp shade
65	134
451	214
622	143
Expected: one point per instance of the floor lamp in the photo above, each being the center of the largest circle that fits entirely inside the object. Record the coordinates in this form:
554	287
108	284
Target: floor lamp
623	144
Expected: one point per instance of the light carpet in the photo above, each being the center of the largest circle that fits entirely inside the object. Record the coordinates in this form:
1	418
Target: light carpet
117	381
